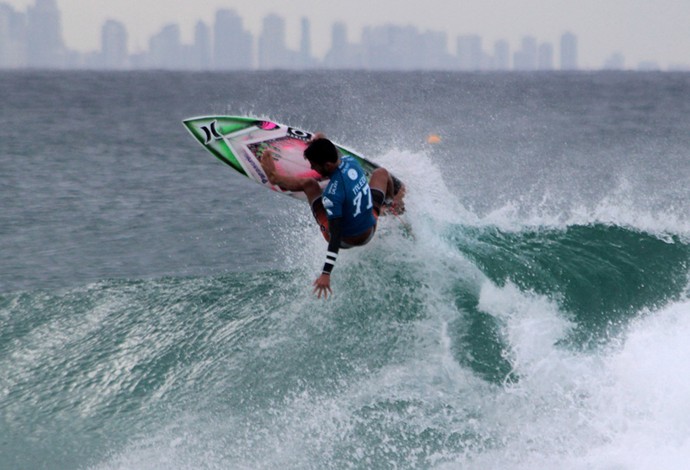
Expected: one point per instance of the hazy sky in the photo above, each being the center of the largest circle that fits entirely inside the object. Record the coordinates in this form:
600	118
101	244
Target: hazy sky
643	30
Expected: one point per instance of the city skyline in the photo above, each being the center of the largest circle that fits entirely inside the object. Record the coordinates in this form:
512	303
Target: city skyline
639	30
384	47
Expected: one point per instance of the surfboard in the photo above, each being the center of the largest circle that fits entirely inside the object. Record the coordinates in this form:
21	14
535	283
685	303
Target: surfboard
240	141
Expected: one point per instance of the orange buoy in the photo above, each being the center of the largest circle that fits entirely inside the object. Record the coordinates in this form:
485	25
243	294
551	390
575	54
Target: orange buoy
433	139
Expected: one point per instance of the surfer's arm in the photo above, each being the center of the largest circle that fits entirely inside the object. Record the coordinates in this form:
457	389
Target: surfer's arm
335	227
322	285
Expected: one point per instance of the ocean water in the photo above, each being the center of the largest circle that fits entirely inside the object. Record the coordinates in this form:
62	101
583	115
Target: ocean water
156	309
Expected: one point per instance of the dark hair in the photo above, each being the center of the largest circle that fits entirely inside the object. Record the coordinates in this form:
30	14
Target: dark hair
321	151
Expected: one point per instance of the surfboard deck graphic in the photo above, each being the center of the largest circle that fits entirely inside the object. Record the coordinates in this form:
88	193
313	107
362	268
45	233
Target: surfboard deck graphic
239	142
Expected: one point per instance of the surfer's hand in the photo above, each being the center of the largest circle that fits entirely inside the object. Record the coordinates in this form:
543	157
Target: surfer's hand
318	135
322	285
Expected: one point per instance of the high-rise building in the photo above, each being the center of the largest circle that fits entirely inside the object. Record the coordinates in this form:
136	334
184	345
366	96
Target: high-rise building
406	48
273	53
392	47
305	58
343	54
648	66
232	44
6	13
201	50
501	59
114	45
545	57
434	48
470	54
165	48
526	58
336	57
12	38
45	48
381	48
615	61
568	51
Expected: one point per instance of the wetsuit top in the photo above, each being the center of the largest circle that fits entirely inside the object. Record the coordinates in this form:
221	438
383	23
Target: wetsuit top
348	196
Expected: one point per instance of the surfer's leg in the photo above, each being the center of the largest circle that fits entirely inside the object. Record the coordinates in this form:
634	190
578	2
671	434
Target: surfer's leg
309	186
392	189
313	192
321	217
382	180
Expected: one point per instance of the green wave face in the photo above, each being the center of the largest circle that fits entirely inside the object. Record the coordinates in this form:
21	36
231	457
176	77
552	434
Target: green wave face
602	276
245	359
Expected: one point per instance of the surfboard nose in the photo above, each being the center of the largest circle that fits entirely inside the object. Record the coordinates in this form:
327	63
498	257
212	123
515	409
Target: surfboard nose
204	129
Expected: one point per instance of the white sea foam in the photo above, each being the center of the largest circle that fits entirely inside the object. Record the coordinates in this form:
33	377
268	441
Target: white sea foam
620	207
621	407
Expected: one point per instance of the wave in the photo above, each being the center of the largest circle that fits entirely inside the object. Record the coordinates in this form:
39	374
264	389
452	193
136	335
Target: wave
460	344
600	274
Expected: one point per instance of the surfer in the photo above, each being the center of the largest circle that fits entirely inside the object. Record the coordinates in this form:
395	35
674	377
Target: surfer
349	206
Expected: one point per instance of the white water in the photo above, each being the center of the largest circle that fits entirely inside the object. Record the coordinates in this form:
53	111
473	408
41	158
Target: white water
623	407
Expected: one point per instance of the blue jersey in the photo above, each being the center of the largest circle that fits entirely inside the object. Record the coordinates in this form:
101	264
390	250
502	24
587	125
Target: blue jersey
348	195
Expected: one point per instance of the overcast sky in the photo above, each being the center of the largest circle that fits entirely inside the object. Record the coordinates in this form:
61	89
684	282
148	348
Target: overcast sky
643	30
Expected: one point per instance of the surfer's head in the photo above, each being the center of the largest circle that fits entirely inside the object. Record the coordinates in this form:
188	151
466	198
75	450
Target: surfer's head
322	155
